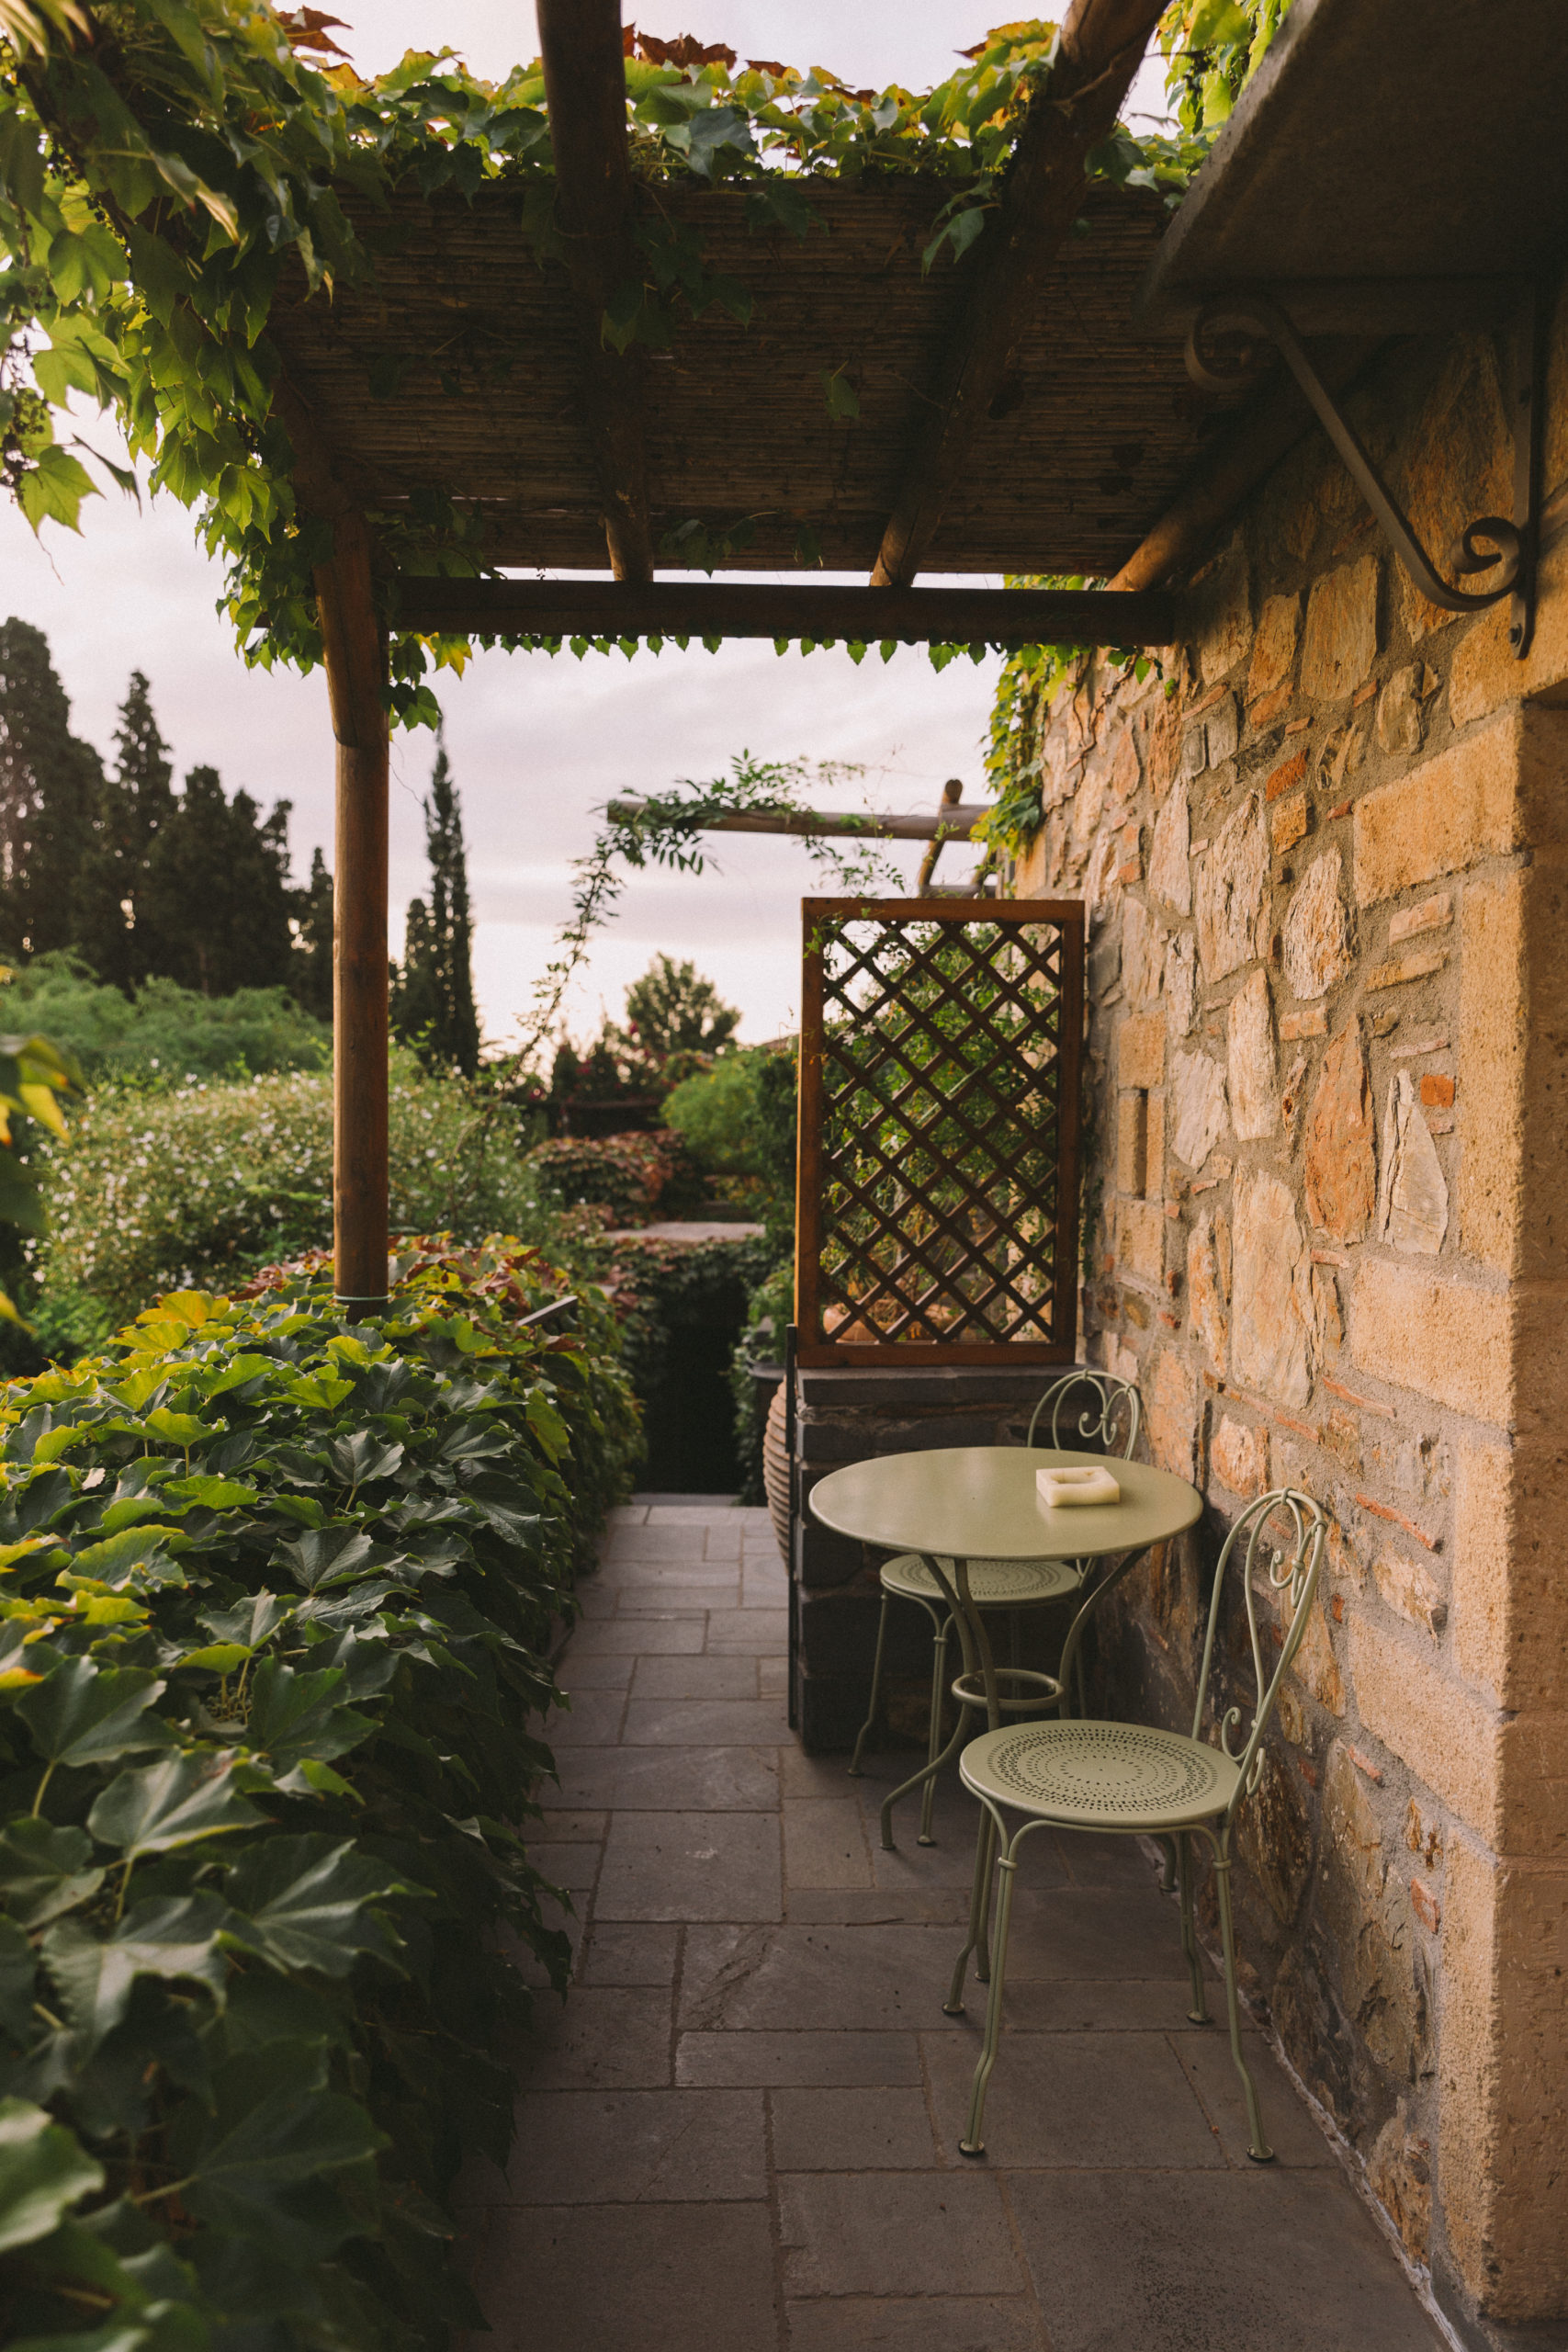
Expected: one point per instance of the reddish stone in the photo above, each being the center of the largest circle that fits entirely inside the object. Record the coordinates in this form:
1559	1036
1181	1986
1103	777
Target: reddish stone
1286	777
1436	1090
1341	1163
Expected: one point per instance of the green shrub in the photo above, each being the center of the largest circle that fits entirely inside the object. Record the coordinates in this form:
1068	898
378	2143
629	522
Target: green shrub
717	1114
164	1191
165	1033
637	1176
273	1651
739	1119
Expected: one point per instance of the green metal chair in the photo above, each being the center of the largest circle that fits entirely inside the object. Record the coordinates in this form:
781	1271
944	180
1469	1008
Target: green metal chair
1138	1780
994	1584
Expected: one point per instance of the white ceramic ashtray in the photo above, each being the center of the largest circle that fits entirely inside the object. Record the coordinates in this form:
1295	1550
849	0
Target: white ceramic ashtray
1076	1486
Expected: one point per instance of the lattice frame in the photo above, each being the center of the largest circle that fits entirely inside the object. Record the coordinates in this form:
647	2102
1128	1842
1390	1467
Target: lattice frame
937	1191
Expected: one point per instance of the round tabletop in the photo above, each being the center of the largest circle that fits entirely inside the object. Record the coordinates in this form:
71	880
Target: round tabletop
977	1502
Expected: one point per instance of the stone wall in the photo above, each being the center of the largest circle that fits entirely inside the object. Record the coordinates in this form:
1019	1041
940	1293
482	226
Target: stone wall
1327	875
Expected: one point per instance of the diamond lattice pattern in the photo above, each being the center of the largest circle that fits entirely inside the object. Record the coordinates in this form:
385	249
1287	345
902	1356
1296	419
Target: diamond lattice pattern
941	1131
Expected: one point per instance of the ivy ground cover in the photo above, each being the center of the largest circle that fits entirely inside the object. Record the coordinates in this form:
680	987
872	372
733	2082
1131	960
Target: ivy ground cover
275	1592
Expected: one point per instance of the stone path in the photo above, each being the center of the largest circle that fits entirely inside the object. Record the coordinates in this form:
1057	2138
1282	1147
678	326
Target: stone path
740	2134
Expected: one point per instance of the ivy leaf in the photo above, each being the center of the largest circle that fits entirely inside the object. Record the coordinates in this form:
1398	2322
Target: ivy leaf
181	1428
19	1978
362	1457
165	1937
288	2136
305	1898
44	2170
133	1551
172	1803
249	1624
44	1870
83	1714
843	401
295	1715
504	1503
327	1557
52	488
211	1494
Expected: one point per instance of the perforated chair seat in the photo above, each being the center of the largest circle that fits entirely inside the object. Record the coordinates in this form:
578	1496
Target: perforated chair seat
993	1584
1100	1776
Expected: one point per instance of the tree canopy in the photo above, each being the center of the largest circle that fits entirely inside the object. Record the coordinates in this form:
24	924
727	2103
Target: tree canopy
140	880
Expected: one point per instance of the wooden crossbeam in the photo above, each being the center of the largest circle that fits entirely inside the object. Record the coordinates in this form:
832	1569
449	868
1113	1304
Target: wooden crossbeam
585	89
567	608
1103	43
952	822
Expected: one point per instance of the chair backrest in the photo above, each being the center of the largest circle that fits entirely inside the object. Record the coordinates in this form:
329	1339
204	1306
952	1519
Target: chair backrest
1105	1401
1280	1536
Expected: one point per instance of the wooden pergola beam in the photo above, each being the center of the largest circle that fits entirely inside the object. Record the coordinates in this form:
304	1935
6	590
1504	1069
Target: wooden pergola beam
1202	509
952	822
567	608
585	89
1102	44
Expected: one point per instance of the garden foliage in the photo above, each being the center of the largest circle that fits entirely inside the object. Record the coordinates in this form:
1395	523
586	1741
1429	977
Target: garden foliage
635	1176
163	1034
159	1191
273	1656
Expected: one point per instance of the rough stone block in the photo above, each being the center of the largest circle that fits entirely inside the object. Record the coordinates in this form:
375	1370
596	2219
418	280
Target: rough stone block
1447	1736
1502	2101
1317	937
1400	969
1447	1339
1288	823
1483	1561
1442	817
1140	1051
1253	1072
1341	1170
1140	1242
1239	1456
1172	1415
1198	1106
1132	1141
1486	671
1274	647
1170	865
1433	914
1339	643
1231	898
1272	1321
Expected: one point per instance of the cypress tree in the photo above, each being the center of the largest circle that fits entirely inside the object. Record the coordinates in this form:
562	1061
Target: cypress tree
118	932
433	992
50	788
215	904
311	965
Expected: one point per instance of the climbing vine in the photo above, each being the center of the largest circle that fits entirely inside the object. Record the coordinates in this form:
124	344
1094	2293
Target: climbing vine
163	161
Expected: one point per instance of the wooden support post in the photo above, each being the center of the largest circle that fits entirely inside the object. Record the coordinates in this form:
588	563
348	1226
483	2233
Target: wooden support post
585	89
357	674
1103	43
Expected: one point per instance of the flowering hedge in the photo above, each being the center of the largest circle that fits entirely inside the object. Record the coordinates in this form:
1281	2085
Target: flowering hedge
275	1598
173	1190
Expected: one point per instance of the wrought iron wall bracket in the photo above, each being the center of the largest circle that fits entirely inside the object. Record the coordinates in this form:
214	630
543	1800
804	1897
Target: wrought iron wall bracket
1224	349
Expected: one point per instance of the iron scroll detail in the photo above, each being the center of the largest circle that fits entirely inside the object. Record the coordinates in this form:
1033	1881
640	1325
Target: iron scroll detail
1224	349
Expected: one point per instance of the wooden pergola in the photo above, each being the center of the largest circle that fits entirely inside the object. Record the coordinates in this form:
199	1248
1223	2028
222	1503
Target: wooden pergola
1011	420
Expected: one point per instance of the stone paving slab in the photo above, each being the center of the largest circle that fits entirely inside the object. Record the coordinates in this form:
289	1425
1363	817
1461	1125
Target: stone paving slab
740	2132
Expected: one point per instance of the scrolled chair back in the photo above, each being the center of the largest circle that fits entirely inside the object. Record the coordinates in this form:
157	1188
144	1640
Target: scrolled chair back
1281	1536
1111	1412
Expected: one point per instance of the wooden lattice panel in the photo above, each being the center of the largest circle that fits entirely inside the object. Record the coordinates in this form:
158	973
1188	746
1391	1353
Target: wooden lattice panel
939	1096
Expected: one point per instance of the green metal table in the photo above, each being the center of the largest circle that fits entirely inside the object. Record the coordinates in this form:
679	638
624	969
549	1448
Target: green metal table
970	1502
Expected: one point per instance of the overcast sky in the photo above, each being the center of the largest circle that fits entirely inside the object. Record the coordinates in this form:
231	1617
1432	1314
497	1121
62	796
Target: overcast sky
537	744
